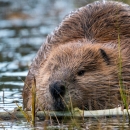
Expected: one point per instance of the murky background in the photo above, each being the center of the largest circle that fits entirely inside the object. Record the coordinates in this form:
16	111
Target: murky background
24	25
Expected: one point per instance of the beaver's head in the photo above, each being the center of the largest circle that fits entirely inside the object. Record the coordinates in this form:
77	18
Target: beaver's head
80	74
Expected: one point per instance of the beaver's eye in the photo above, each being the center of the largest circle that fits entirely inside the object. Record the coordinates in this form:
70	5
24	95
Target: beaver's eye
81	73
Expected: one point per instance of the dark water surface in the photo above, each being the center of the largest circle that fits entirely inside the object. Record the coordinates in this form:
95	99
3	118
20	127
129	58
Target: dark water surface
24	25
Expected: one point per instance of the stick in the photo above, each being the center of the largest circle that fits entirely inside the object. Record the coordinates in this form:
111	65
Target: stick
76	113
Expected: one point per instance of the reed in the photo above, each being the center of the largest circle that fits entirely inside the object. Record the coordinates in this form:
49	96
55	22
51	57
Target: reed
123	90
33	100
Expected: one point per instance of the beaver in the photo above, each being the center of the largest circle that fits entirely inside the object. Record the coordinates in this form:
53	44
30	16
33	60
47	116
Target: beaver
84	62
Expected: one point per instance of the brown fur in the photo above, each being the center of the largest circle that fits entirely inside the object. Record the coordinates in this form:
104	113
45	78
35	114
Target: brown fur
76	45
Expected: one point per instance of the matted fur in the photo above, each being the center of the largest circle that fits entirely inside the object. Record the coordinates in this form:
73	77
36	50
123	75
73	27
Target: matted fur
76	45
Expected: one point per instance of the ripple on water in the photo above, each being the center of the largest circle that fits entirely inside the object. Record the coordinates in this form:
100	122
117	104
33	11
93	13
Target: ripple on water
7	33
24	73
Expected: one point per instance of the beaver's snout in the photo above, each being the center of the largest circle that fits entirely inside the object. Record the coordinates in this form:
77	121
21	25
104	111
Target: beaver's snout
57	90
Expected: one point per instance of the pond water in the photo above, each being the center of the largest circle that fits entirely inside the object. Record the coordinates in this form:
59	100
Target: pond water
24	26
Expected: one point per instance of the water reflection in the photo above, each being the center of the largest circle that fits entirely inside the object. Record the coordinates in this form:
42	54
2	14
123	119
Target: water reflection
24	26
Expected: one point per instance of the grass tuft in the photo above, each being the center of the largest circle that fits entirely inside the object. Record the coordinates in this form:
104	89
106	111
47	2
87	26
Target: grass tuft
25	114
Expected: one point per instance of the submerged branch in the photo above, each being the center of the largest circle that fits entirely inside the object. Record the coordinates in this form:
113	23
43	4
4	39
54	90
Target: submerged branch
77	113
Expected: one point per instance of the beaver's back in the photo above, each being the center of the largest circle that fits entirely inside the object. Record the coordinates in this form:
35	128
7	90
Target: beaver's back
97	22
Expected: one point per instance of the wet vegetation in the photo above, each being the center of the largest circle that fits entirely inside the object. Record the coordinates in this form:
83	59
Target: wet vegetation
24	26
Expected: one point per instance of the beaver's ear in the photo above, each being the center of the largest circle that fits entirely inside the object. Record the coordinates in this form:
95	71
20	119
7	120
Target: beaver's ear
104	56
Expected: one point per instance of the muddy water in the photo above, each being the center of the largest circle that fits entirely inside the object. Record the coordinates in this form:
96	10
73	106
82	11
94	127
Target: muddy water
24	25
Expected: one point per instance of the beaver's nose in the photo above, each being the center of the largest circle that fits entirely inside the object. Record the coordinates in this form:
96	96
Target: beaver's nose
57	89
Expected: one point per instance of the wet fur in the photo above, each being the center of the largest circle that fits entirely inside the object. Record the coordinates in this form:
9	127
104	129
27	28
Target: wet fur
87	39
